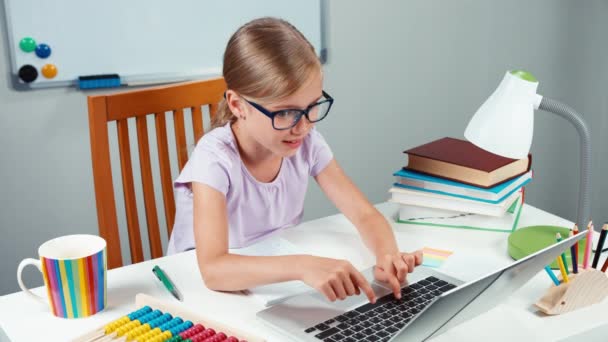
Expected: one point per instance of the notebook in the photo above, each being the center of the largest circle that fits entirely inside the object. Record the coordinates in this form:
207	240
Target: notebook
506	223
427	199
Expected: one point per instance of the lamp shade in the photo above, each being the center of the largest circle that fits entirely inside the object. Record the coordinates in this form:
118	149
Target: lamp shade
504	124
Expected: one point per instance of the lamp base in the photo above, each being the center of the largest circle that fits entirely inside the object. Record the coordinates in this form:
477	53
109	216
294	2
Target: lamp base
528	240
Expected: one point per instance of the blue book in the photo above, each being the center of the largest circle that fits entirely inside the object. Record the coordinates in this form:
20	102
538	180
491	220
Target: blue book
417	181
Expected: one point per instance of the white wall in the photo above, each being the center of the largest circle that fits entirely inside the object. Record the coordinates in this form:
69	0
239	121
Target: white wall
402	73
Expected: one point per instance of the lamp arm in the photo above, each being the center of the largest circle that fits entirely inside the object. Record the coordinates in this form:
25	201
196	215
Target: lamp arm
556	107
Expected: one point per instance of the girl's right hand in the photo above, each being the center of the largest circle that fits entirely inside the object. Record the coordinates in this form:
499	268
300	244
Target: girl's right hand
336	279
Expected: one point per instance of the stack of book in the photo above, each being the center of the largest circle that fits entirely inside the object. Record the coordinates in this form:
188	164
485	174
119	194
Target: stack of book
451	182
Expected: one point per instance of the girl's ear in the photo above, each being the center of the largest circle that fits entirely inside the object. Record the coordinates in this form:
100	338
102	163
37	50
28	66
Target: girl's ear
235	103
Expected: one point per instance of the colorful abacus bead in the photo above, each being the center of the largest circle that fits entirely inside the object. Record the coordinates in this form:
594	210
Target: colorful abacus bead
203	335
165	335
197	328
112	326
175	338
138	322
174	323
181	328
138	313
136	333
217	338
233	339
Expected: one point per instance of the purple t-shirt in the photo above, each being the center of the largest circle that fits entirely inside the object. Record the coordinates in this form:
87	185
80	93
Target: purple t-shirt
255	209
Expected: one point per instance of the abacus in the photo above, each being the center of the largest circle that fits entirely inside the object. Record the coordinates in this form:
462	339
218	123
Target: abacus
156	321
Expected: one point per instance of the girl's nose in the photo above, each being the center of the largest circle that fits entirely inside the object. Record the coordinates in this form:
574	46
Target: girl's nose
302	126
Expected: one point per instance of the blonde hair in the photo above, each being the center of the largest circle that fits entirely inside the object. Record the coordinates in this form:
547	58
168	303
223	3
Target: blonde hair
265	59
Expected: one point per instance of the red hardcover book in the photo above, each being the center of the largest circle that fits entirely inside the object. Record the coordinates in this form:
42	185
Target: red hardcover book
461	161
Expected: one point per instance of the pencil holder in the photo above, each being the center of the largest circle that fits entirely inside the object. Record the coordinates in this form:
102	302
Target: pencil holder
585	288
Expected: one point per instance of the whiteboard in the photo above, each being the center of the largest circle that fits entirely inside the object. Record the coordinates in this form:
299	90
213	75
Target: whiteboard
143	41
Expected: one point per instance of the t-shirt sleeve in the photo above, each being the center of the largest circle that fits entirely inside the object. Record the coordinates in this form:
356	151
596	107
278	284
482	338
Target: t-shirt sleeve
320	153
209	166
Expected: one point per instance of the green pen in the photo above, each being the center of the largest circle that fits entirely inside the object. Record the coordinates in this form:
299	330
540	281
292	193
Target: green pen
162	276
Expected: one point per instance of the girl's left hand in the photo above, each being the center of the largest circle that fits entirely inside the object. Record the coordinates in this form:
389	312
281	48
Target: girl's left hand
393	268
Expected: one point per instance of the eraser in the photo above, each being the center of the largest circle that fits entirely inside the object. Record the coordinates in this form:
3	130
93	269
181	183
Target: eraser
99	81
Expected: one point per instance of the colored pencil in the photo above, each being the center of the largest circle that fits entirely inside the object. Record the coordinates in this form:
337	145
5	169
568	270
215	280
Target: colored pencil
573	255
558	237
575	231
552	275
562	269
589	242
600	245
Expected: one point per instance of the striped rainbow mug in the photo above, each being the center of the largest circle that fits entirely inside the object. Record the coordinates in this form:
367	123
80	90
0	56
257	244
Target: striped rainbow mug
74	271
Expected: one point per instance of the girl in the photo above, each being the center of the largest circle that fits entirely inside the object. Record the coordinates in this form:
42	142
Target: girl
247	177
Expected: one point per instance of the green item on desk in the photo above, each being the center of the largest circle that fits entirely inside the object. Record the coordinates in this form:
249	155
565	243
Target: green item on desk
528	240
160	274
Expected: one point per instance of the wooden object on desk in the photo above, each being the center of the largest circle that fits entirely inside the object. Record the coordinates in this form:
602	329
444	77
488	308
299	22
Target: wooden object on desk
175	310
142	300
139	105
586	288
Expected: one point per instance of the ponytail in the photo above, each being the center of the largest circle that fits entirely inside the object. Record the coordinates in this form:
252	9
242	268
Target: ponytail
223	115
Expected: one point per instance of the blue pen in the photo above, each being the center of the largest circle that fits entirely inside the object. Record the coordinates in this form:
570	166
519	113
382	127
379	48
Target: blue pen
552	275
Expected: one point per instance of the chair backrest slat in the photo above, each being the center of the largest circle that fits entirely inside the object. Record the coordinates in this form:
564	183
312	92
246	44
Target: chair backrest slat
165	170
156	249
102	179
128	188
212	110
180	137
197	123
139	104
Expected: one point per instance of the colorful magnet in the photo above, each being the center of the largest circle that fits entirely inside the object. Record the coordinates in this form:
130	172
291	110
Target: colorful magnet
28	73
49	70
27	44
43	50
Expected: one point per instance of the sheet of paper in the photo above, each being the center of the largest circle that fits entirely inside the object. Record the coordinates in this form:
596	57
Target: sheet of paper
468	265
274	293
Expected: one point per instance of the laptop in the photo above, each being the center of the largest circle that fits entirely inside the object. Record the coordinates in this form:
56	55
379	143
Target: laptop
431	303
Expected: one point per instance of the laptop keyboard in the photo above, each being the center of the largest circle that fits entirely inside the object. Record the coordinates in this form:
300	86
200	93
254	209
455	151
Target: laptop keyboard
380	321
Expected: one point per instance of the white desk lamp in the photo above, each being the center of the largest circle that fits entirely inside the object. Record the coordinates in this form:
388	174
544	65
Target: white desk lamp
504	124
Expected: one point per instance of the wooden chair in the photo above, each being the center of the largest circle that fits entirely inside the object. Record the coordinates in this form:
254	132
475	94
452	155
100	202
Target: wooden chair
139	104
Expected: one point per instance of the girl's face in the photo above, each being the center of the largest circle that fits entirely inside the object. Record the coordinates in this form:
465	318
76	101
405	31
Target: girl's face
283	143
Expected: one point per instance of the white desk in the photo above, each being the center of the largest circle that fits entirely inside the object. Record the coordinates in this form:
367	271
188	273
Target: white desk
475	253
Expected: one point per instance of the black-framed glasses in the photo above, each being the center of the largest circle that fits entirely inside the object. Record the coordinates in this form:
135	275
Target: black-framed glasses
288	118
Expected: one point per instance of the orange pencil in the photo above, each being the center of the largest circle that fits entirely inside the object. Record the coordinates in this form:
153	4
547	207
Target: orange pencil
589	241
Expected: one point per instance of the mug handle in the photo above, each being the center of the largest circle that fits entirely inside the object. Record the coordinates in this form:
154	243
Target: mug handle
22	264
